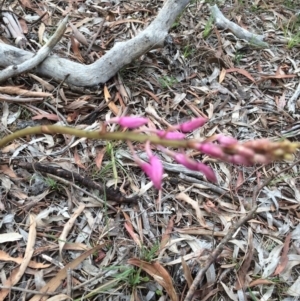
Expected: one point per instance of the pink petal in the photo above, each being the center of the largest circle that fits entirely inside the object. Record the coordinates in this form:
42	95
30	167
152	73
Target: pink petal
154	171
193	124
157	171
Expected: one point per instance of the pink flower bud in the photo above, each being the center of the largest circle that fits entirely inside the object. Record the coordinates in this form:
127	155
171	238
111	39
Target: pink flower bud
129	122
170	135
197	166
241	160
211	149
157	172
191	125
225	140
244	151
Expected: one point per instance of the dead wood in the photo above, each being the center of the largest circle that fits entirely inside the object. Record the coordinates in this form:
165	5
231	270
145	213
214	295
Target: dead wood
103	69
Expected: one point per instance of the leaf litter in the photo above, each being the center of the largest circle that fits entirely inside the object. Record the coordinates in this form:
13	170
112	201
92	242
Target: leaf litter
246	91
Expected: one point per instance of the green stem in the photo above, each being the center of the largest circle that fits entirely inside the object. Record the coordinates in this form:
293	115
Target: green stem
121	136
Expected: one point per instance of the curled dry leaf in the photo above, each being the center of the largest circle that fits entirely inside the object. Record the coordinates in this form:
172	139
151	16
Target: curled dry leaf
159	273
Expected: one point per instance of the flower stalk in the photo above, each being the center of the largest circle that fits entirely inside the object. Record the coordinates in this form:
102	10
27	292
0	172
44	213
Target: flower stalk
227	149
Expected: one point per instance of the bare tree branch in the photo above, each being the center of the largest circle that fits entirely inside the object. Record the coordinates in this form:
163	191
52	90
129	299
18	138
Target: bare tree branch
241	33
103	69
39	57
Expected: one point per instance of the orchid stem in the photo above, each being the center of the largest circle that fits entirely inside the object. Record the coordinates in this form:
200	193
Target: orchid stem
121	136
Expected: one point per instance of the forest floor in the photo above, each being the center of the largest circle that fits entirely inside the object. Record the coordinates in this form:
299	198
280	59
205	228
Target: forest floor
61	239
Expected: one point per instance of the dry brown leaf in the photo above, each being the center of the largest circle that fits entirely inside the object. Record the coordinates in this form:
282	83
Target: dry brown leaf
5	169
187	272
184	197
99	158
130	230
77	104
11	147
32	264
260	282
241	71
13	90
78	35
284	256
68	226
166	236
44	83
222	75
111	104
59	297
23	25
159	273
41	33
77	159
53	117
75	48
56	281
17	274
242	273
125	21
199	231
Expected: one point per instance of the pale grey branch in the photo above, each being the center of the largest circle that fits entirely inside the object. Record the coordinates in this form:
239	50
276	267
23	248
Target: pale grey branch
106	67
35	60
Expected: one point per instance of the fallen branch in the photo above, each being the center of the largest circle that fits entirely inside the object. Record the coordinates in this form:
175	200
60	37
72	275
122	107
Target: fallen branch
39	57
106	67
241	33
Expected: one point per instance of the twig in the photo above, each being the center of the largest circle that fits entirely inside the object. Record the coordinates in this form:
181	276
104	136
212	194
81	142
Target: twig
39	57
26	290
19	100
229	235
